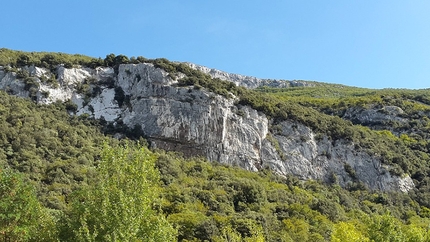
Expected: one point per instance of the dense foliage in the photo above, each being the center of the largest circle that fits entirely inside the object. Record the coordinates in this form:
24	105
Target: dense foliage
45	59
203	199
119	206
21	215
56	150
78	183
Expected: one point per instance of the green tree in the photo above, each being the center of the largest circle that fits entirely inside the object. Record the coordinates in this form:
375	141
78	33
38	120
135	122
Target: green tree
346	231
120	206
110	60
23	60
121	59
298	229
386	228
232	235
20	211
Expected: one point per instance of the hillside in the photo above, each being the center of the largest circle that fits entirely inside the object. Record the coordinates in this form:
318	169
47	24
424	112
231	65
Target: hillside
324	158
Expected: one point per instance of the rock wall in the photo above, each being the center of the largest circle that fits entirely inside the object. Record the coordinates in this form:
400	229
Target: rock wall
197	122
308	156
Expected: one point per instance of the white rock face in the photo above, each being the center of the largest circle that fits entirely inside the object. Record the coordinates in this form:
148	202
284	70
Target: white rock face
102	106
12	85
320	159
71	77
197	122
248	81
192	121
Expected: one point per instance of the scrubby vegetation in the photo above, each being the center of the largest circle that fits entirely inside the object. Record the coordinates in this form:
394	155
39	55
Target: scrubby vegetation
208	201
48	60
64	177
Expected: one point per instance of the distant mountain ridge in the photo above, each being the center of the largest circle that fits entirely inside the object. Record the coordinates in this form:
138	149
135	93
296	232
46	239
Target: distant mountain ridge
249	81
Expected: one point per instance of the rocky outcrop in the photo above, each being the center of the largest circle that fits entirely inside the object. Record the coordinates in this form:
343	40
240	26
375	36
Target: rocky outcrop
309	156
373	114
197	122
249	81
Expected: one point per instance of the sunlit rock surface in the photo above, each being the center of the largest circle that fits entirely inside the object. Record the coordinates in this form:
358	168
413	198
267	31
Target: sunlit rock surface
200	123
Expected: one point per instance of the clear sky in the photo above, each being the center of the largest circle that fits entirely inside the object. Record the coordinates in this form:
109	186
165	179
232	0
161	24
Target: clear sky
364	43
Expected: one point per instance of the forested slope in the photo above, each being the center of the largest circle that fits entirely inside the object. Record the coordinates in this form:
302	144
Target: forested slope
78	181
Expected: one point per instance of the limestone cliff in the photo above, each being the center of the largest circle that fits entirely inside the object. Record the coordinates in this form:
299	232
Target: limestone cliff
198	122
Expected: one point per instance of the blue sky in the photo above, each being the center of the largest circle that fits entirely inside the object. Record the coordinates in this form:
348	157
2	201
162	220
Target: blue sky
373	44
